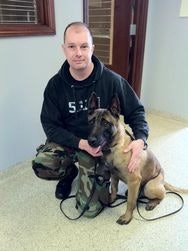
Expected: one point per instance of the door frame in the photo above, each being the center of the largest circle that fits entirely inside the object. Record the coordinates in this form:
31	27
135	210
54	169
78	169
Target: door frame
134	56
140	19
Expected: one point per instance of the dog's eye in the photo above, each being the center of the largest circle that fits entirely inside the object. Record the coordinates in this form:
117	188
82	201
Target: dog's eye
91	121
105	123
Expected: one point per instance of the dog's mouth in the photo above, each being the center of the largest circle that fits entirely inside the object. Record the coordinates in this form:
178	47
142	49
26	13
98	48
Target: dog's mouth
102	146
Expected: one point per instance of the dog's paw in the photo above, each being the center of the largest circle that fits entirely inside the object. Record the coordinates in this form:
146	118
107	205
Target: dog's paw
152	204
149	207
123	221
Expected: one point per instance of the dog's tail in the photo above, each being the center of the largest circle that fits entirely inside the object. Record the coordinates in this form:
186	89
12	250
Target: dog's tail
172	188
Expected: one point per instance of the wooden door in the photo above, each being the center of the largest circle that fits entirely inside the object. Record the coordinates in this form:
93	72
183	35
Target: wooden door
119	27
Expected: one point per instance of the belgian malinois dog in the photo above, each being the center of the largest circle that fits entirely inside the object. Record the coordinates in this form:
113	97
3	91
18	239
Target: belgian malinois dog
108	132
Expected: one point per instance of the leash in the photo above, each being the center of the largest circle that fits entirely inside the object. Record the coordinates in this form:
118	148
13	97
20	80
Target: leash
144	200
141	199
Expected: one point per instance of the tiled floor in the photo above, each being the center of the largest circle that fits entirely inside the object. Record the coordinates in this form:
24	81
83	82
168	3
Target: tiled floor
30	218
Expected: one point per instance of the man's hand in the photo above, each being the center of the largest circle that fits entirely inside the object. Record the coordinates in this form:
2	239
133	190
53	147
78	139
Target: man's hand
136	146
84	145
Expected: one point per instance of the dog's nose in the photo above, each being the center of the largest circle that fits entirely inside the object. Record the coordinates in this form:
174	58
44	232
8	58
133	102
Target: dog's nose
92	140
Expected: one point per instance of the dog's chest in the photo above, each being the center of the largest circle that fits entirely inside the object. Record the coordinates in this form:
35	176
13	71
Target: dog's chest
118	158
118	165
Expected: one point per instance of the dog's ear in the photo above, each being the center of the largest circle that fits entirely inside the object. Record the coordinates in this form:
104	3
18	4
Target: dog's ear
115	106
93	103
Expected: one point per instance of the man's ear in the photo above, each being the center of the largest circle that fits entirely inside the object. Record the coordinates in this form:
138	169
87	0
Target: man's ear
115	106
93	103
93	48
63	47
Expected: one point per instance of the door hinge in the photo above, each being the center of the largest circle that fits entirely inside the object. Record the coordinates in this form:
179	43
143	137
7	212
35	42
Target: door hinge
132	31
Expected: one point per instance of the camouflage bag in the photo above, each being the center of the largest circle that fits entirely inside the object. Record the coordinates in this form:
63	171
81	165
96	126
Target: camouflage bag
93	185
92	194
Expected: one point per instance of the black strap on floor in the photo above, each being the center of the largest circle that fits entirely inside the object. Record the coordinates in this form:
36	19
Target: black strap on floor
142	200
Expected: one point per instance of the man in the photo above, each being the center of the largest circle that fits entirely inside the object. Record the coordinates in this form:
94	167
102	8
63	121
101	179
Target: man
64	110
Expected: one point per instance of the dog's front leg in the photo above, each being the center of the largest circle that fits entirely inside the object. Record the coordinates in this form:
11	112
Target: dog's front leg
114	187
133	189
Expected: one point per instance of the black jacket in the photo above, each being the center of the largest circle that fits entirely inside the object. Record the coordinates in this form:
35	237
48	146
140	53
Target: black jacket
64	110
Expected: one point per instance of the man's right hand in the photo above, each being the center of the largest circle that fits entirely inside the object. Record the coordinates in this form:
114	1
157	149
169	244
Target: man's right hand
94	151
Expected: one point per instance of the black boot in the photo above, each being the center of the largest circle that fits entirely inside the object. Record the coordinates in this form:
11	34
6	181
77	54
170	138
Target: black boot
63	187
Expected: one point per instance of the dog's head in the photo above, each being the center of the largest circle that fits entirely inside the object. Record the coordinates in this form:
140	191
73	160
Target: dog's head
103	123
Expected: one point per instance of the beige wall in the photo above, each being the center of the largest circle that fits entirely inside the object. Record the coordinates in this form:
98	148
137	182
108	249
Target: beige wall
165	75
26	64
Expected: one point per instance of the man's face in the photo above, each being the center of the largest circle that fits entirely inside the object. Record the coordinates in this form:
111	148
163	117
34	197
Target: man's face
78	47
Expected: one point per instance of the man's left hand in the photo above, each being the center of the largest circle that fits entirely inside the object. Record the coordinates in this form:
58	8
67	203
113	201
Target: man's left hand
136	146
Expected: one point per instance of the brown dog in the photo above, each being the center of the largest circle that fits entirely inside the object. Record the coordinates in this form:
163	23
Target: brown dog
107	131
